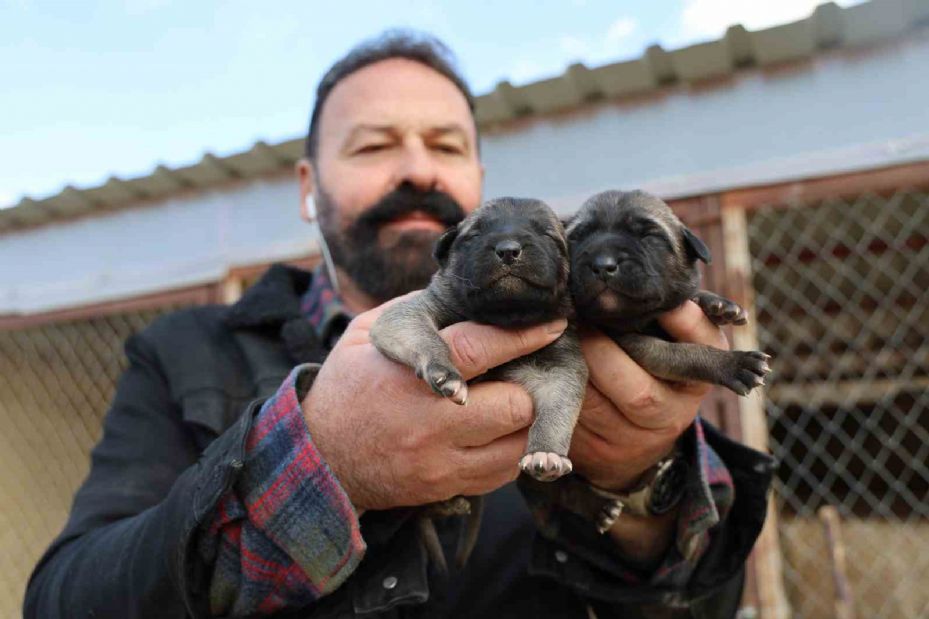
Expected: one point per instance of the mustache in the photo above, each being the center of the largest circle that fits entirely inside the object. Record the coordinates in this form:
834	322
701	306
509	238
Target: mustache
406	200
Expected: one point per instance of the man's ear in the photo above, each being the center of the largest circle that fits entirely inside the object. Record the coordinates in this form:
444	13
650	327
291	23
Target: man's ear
696	249
444	244
306	179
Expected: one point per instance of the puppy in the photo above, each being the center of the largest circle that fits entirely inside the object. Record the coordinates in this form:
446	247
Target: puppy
506	265
631	260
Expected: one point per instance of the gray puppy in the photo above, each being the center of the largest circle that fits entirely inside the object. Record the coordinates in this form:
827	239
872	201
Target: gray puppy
506	264
631	260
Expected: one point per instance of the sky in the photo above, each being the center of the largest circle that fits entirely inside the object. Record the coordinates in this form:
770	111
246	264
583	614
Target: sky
95	89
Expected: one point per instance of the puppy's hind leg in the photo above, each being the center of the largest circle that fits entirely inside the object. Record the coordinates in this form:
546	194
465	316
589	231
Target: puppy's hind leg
556	379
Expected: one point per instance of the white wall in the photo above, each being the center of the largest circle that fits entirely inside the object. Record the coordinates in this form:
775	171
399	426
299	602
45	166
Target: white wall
840	112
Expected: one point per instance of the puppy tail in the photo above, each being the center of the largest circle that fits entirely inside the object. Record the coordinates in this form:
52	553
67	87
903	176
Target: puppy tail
472	528
430	538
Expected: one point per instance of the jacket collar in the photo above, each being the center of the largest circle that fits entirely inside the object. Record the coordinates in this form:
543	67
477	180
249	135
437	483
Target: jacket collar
273	299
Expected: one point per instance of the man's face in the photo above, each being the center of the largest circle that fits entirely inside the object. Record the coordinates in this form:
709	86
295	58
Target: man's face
396	164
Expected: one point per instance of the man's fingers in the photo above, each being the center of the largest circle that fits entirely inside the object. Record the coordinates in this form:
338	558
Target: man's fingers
688	323
491	466
494	410
476	348
619	378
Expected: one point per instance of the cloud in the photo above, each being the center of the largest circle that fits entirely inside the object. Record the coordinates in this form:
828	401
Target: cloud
525	70
612	43
8	199
708	19
620	30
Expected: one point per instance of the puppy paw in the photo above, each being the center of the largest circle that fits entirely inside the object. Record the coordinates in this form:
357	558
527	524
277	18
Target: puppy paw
545	465
608	515
747	370
719	310
455	506
446	382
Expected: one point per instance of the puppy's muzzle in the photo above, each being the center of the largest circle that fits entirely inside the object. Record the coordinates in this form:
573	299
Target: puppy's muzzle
604	266
508	251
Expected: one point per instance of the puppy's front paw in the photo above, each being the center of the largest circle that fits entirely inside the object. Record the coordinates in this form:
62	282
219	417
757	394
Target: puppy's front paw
747	370
545	465
447	382
720	310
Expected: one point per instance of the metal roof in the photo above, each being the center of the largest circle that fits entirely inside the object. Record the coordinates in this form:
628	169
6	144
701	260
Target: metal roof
828	27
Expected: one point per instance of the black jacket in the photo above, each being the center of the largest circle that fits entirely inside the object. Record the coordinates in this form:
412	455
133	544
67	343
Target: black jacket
173	443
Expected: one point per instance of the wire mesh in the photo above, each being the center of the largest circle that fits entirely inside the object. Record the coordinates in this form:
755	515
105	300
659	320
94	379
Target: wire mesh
56	381
842	302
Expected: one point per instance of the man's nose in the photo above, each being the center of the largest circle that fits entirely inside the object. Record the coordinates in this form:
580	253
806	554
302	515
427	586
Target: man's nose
417	167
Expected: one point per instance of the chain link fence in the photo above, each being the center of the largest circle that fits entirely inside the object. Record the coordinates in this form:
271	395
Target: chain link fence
56	381
842	302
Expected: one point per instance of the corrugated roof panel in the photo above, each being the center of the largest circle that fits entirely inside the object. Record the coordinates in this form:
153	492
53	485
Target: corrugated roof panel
583	82
71	201
115	192
624	78
741	49
702	61
513	98
659	63
875	20
827	25
784	43
290	151
163	181
208	171
550	95
490	108
29	213
251	163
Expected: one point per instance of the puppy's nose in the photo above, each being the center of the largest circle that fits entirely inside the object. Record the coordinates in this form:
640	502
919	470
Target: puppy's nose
508	251
604	266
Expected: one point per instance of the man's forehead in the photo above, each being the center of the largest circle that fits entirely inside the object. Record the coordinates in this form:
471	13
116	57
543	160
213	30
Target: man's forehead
395	93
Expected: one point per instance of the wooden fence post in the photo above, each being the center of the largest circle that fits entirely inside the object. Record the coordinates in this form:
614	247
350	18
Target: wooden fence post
769	577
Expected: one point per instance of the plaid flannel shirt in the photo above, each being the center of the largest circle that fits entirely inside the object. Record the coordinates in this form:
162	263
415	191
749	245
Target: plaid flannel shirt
287	533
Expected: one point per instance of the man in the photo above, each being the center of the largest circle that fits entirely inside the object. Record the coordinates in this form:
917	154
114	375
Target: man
207	497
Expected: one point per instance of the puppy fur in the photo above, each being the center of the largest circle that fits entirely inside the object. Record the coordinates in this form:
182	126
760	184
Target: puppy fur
506	264
631	260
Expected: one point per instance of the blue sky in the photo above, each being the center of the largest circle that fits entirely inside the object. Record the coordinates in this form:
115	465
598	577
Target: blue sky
99	88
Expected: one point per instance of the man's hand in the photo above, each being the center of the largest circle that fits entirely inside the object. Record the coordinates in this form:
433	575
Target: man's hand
391	441
630	420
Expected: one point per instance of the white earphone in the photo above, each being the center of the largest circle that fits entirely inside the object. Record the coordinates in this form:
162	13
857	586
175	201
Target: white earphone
310	205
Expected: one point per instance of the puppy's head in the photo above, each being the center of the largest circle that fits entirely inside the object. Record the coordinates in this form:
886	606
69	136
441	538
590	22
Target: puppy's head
631	257
506	263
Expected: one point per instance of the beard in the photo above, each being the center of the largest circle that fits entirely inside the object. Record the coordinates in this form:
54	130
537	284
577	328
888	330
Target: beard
384	263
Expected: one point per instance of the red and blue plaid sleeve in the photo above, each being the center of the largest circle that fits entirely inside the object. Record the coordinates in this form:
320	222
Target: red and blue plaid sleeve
286	534
708	499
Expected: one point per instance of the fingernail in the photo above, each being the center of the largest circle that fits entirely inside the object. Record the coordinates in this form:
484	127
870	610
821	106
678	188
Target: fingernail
557	326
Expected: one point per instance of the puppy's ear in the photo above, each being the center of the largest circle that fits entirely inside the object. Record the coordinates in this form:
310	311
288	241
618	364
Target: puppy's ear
567	222
444	244
696	249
